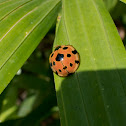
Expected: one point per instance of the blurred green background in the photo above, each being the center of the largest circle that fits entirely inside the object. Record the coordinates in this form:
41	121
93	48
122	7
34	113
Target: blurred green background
30	98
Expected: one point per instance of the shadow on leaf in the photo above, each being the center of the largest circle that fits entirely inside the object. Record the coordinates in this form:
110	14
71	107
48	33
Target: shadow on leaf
96	98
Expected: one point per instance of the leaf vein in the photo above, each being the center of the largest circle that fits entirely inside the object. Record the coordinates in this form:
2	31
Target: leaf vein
5	2
14	10
17	23
29	32
76	72
108	41
90	47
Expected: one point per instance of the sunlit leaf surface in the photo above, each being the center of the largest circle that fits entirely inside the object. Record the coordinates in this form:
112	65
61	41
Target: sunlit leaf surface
23	24
96	94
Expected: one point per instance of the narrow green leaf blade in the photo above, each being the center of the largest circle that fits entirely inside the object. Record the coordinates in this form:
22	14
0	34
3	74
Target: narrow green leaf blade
21	30
96	94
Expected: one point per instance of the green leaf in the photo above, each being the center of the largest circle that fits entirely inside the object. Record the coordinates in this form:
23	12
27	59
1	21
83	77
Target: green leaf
96	94
123	1
118	11
23	24
27	105
36	84
27	81
36	115
37	66
110	4
9	106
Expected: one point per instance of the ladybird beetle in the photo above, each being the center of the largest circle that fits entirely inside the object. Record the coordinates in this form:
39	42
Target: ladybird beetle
64	60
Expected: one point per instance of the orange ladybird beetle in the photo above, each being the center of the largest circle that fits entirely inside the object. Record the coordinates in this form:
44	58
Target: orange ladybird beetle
64	60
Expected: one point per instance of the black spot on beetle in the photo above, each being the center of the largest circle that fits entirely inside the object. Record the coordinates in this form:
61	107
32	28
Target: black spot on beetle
68	55
71	64
65	48
60	70
56	72
59	57
74	52
54	63
76	61
64	67
50	64
52	54
57	48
